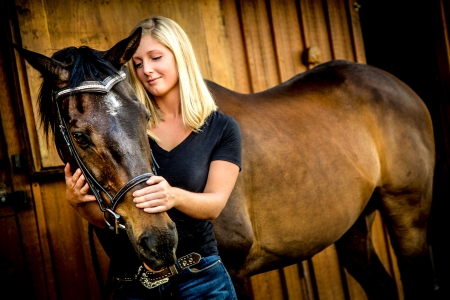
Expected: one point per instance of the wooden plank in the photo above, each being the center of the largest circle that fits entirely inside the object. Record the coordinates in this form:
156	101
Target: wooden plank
46	247
306	275
341	44
294	287
219	56
356	32
267	286
328	275
237	48
259	45
288	40
380	243
355	290
64	230
314	27
32	18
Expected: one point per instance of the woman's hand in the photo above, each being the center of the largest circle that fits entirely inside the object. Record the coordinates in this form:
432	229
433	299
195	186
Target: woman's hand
160	196
155	198
76	188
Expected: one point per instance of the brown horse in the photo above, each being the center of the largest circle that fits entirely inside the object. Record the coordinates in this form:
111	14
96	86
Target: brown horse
321	152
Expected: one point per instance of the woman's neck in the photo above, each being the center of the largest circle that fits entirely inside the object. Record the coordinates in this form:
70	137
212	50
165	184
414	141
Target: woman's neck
170	105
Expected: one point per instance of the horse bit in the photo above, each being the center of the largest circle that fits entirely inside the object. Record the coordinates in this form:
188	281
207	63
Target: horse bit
147	278
98	87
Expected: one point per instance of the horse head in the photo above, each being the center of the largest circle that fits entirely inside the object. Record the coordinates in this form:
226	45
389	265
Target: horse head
99	125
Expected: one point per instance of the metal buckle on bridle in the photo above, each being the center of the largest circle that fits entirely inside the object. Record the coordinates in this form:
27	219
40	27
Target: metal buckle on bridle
116	217
99	87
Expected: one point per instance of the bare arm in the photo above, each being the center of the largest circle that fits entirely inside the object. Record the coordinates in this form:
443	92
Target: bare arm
77	195
159	196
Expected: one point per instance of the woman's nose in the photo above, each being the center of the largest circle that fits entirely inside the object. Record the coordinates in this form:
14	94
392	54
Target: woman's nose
148	69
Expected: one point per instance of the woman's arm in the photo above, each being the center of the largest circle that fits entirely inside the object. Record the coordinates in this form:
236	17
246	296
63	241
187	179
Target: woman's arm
77	195
159	196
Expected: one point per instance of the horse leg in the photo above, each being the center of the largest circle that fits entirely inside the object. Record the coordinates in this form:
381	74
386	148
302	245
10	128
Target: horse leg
406	218
357	254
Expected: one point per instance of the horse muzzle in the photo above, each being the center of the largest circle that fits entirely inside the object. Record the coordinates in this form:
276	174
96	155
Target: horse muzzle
157	251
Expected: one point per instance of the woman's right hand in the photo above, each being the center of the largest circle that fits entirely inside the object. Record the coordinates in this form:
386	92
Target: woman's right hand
77	188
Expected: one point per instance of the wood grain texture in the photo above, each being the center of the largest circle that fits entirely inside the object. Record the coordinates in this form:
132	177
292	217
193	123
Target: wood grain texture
327	274
341	43
259	45
287	38
314	27
232	22
356	33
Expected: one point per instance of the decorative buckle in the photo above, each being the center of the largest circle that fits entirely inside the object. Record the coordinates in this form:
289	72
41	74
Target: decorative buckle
146	281
153	279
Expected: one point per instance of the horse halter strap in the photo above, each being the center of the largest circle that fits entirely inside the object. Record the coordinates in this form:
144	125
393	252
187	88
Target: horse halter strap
99	87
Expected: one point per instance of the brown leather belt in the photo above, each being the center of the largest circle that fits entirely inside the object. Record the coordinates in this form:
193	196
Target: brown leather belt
153	279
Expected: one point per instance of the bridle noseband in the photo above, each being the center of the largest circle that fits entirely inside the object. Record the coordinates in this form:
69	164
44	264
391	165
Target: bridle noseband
98	87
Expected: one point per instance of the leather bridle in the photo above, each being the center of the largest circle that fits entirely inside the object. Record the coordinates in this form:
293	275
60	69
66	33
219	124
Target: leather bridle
96	87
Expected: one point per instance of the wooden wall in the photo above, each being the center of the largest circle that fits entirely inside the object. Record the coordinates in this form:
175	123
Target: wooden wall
245	45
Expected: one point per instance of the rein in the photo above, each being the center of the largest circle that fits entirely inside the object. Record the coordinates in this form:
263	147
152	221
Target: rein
99	87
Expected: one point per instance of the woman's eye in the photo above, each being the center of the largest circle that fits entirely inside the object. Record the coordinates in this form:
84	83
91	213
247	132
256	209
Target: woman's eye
80	139
157	57
137	65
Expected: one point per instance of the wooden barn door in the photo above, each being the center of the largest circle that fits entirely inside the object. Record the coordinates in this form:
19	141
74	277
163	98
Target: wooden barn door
245	45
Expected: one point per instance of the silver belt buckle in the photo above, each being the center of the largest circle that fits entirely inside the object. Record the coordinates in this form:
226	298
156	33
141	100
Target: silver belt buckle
147	282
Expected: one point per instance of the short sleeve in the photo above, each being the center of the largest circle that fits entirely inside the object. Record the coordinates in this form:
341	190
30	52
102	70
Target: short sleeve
229	147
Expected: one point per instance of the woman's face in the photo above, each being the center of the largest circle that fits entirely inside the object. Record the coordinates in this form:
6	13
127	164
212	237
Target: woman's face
156	67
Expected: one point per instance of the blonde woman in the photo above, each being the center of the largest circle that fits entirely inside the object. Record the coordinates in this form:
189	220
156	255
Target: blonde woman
198	153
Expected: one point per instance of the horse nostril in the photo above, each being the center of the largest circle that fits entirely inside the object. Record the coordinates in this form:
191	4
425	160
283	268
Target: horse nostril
147	242
172	226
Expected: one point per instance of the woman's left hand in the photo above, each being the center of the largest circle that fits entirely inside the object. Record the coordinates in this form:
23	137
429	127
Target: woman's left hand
155	198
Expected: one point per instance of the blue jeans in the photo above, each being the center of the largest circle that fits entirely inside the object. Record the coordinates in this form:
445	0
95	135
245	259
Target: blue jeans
208	279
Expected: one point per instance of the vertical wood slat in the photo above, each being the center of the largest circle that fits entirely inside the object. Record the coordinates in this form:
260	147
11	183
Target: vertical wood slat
356	33
314	27
64	229
237	47
355	290
295	287
341	43
219	56
307	280
259	45
267	286
46	247
287	38
35	35
327	274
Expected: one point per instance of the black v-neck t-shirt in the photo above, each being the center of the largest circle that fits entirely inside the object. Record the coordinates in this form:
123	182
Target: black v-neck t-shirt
187	165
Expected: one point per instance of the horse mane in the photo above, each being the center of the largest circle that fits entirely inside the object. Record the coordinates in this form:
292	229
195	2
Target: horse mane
83	63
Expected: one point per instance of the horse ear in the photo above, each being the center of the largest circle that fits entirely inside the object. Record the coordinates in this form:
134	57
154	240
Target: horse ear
45	65
122	52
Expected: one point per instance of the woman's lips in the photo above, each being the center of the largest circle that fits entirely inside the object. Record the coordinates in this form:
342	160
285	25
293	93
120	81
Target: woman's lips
153	80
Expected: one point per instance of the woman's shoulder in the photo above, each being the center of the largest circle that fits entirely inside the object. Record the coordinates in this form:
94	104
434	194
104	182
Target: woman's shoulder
220	119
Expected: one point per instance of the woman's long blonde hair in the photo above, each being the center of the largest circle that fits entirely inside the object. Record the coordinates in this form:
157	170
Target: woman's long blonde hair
197	102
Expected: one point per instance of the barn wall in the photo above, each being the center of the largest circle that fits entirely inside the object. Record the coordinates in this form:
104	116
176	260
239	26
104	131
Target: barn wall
247	46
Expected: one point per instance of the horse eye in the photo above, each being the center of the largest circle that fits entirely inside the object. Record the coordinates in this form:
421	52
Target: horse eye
80	138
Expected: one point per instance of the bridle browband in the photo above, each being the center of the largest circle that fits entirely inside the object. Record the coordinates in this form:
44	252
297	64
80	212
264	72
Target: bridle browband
96	87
